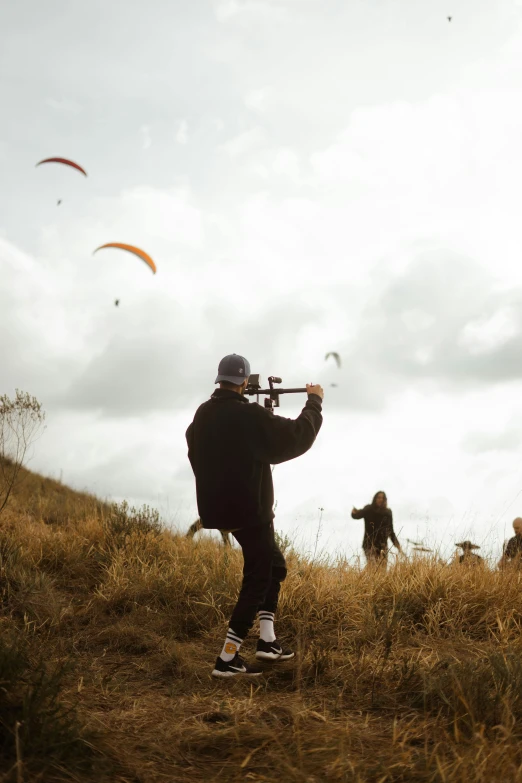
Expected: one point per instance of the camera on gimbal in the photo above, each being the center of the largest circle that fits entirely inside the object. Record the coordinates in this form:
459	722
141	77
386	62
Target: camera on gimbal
272	398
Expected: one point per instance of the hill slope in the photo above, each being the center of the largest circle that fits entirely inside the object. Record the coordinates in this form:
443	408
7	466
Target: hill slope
109	627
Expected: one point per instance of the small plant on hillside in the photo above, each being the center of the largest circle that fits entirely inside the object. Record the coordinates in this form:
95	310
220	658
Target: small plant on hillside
39	733
476	695
283	541
124	521
20	420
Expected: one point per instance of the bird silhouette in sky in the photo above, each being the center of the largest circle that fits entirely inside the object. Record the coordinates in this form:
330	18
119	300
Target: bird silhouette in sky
59	202
449	18
116	302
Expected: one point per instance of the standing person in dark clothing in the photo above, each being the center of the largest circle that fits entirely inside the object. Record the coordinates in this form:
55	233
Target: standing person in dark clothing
231	445
378	528
513	548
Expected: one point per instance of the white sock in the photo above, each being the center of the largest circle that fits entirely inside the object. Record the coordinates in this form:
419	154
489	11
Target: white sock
231	647
266	626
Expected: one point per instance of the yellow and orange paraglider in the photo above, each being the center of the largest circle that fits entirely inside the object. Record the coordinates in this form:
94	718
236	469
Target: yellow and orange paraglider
65	161
131	249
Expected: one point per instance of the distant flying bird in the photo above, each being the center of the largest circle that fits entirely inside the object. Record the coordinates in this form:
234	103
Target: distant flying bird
59	202
333	384
116	302
449	18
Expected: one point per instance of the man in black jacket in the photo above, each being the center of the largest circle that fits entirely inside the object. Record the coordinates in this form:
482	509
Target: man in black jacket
231	445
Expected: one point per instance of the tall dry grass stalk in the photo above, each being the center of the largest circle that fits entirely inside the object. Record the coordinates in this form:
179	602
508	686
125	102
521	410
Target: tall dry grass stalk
109	626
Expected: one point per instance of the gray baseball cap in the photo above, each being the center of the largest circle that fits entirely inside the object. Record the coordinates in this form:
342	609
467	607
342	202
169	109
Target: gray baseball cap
233	368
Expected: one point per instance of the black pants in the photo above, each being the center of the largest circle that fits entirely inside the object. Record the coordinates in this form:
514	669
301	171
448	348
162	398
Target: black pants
375	555
263	571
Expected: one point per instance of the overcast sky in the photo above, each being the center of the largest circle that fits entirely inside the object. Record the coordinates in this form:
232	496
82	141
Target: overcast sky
309	176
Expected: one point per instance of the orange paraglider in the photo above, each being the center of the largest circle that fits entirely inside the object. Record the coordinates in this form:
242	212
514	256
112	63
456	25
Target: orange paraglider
65	161
131	249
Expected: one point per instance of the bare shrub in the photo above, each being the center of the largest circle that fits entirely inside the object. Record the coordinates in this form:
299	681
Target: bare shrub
122	522
20	421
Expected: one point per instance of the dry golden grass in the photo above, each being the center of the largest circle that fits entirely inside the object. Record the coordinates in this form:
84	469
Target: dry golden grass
109	628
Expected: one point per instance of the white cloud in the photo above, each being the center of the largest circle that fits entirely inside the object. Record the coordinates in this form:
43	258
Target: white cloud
257	169
244	142
486	334
218	124
259	100
143	214
135	459
400	145
34	326
286	163
21	263
417	320
182	136
508	439
281	163
432	155
67	106
249	11
146	137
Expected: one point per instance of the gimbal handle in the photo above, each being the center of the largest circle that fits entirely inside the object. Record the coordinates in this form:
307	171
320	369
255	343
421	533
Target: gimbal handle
272	393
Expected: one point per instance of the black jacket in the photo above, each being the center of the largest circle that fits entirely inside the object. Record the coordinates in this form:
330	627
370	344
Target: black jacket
232	444
513	548
378	527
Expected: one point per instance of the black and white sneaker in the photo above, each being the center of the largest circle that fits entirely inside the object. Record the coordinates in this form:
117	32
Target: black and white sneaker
272	651
234	667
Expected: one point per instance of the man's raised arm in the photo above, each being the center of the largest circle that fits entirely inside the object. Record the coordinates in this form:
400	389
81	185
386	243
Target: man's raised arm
277	439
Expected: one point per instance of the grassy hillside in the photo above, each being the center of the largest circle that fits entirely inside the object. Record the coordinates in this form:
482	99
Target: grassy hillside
110	626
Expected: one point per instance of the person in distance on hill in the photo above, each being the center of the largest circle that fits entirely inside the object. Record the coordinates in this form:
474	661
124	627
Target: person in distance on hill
468	557
513	548
231	445
378	528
